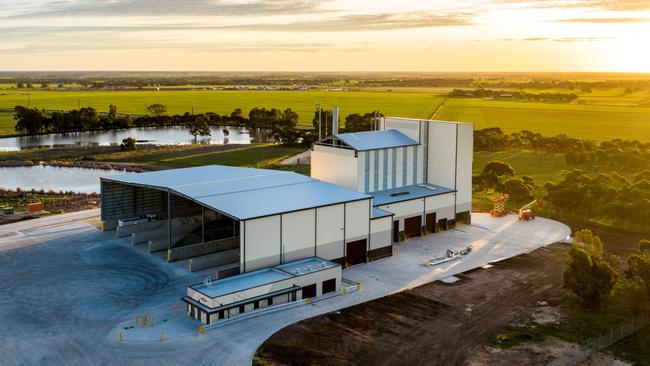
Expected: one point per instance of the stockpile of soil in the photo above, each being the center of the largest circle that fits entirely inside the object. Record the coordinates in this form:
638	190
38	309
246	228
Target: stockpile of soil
433	324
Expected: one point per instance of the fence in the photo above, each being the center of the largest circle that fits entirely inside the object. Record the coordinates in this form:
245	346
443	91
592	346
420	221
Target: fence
614	335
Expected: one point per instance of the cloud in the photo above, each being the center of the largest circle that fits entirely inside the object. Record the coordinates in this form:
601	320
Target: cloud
604	20
48	8
368	22
612	5
560	39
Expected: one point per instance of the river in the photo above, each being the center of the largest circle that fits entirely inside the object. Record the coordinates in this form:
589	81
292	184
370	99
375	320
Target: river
173	135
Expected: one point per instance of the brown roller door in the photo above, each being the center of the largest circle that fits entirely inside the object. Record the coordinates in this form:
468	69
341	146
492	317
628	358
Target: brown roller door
309	291
431	222
355	252
413	226
395	231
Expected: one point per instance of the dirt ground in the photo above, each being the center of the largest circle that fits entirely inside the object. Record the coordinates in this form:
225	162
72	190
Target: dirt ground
433	324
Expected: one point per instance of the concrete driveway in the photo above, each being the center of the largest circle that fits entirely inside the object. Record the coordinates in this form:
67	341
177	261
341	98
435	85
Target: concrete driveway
68	289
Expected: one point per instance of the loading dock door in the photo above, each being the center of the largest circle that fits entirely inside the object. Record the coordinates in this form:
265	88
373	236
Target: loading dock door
413	226
431	222
395	231
355	252
309	291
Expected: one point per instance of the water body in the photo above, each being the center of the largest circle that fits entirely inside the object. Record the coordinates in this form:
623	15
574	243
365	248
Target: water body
175	135
81	180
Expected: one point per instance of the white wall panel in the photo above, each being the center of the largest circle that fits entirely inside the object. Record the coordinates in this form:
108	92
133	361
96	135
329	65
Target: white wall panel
464	172
298	235
442	154
381	232
334	165
357	217
409	127
405	209
442	205
262	240
329	232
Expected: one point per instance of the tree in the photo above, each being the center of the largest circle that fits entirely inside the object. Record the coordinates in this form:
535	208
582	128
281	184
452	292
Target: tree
44	86
588	241
588	276
29	120
20	85
89	118
518	190
356	122
499	168
639	269
112	112
128	144
157	109
644	246
198	127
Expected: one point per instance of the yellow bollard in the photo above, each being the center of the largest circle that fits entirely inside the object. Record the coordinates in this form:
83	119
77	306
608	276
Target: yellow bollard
136	320
358	285
143	322
145	317
169	255
162	336
201	328
119	337
308	300
345	290
151	322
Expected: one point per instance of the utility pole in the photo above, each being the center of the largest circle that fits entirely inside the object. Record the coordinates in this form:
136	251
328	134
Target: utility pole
319	121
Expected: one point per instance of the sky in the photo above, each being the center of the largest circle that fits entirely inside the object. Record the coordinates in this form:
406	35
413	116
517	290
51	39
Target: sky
326	35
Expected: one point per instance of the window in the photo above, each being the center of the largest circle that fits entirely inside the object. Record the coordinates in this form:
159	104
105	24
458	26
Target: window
241	309
309	291
221	314
329	286
256	305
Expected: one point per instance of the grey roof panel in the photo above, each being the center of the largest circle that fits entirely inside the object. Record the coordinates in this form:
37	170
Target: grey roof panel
407	193
371	140
244	193
379	213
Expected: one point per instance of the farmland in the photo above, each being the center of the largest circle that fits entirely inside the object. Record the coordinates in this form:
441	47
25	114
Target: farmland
417	105
588	121
600	114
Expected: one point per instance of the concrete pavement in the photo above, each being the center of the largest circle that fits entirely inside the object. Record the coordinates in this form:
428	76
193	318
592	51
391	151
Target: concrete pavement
68	289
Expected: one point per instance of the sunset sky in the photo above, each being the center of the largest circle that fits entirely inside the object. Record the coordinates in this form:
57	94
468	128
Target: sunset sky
353	35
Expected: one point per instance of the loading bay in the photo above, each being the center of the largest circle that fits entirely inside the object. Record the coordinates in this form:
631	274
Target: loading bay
69	291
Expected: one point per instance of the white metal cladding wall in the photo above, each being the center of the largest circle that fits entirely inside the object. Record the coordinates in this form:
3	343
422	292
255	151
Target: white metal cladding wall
305	280
334	165
381	232
442	154
464	172
409	127
357	220
298	235
442	205
362	172
330	232
405	209
262	243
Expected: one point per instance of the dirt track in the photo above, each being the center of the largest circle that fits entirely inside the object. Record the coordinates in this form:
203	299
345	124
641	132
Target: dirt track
431	324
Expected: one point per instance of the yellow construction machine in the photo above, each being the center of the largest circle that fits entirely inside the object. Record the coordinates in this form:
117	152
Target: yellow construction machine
525	213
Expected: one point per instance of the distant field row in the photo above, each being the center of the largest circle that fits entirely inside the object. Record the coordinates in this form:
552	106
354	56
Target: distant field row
416	105
594	122
599	115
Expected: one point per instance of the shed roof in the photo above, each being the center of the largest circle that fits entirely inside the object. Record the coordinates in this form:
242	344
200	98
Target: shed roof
371	140
244	193
407	193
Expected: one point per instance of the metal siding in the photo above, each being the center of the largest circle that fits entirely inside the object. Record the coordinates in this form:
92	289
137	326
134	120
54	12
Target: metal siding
404	166
357	216
385	170
262	242
376	171
415	165
298	235
366	187
394	169
329	232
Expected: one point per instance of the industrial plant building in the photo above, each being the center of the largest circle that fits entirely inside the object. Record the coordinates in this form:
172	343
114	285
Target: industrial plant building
271	237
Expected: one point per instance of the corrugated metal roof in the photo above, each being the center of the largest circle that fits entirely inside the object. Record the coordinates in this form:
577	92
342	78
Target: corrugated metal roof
371	140
244	193
379	213
407	193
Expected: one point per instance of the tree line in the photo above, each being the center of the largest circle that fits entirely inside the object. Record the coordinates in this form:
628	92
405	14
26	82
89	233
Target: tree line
513	95
615	155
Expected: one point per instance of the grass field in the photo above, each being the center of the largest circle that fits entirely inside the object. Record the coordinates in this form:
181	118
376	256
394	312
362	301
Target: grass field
7	124
417	105
594	122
